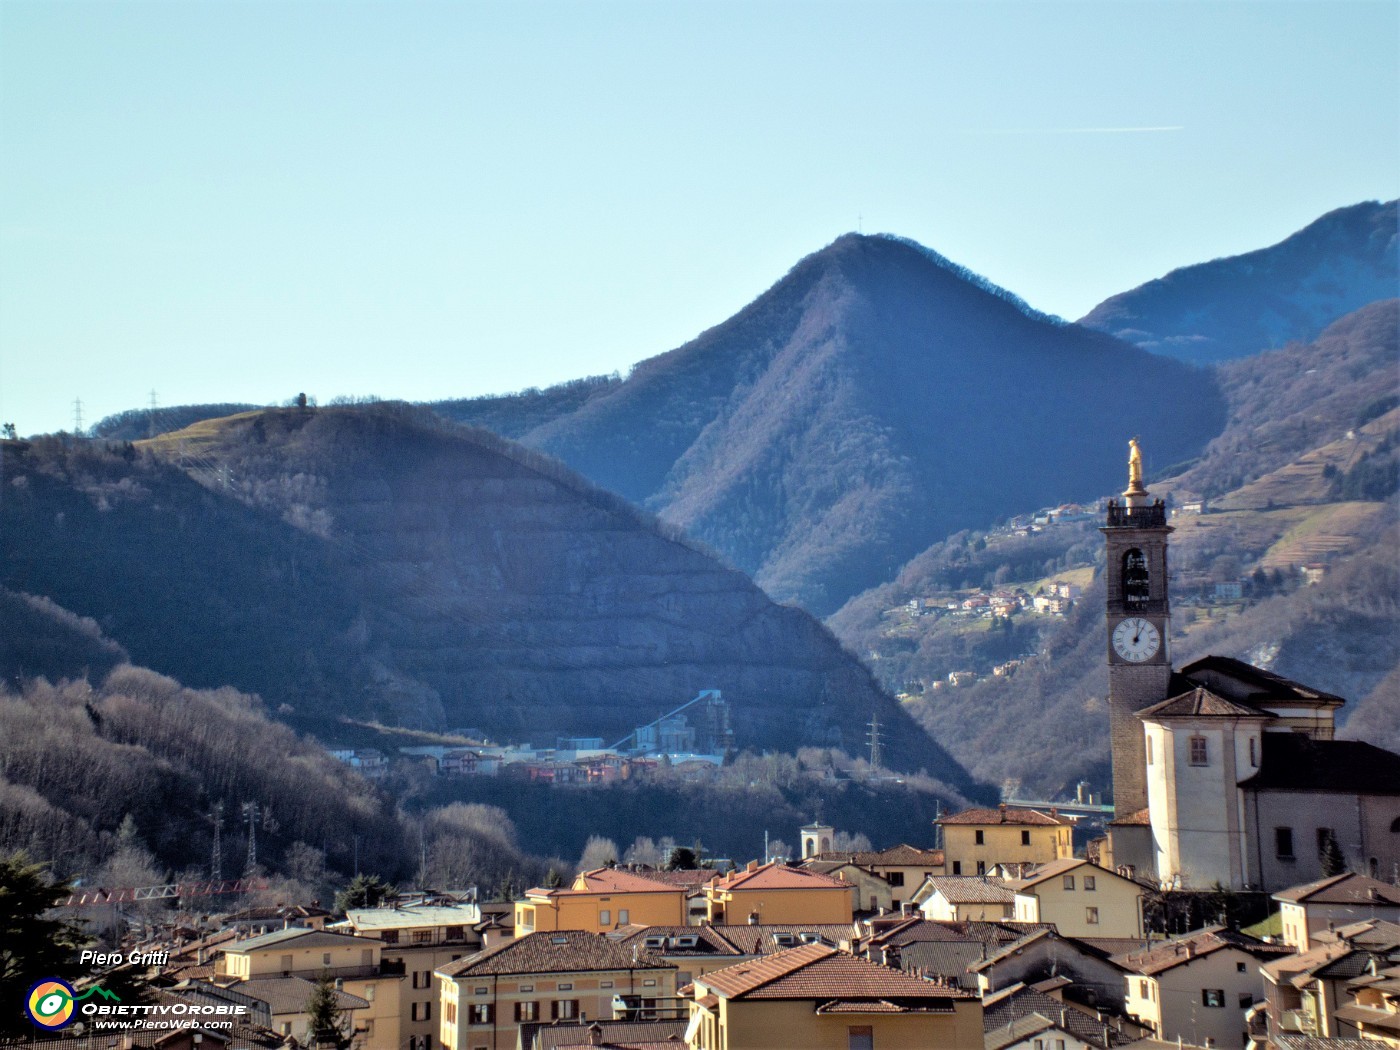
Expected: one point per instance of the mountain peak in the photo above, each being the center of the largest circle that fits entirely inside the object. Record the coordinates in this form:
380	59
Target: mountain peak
1262	300
865	402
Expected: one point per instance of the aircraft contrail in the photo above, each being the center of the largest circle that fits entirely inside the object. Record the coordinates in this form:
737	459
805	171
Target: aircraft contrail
1080	131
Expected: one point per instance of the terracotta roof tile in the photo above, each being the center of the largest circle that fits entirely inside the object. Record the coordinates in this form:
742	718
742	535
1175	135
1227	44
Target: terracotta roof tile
971	889
618	880
817	971
558	1035
1139	818
1004	815
1182	950
709	940
566	951
776	876
687	878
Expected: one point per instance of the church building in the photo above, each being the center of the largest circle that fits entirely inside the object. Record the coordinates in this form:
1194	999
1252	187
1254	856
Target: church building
1225	773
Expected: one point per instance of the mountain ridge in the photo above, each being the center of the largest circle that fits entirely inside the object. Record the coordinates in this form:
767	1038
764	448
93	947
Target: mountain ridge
868	399
379	562
1235	306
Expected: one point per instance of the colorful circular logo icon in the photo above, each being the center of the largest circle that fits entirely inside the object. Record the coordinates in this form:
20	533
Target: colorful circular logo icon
50	1003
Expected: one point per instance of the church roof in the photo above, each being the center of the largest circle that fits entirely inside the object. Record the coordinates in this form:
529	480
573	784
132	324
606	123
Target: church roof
1253	686
1198	703
1295	762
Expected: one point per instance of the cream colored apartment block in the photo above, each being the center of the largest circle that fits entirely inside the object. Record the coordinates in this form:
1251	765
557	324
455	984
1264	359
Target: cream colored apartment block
1080	899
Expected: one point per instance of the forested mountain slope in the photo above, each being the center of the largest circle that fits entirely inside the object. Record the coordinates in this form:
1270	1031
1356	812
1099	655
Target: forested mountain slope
875	398
1305	476
378	563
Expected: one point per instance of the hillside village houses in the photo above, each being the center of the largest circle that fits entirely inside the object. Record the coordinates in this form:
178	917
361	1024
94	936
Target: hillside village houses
1000	937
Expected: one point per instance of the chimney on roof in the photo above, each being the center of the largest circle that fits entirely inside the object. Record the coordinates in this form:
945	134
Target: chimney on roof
1001	814
753	866
595	1034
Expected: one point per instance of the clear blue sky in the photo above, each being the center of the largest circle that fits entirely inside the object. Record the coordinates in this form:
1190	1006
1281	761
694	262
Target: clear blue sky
239	201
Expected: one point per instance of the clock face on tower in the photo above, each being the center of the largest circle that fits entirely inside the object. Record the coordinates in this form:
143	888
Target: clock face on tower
1136	640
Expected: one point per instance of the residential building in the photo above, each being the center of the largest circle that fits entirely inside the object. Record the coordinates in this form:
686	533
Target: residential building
1198	987
777	893
1038	1017
604	1035
820	998
903	867
1080	899
279	967
976	840
1374	1011
600	900
1339	900
1098	981
563	975
872	894
692	950
965	898
417	936
1303	992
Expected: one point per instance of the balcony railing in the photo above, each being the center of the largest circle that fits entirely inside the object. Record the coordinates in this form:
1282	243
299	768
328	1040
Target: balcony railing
1153	516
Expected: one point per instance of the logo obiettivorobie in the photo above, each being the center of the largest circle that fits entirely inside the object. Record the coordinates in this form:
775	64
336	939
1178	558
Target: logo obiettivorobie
50	1002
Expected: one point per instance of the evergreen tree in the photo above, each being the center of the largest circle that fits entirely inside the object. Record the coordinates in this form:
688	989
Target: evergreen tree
32	946
325	1024
1330	854
364	891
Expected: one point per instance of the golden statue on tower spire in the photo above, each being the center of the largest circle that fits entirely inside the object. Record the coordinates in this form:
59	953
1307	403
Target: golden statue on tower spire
1134	495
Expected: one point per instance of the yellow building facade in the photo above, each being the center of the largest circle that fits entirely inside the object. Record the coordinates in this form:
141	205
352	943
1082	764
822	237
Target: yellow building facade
600	900
977	840
1080	899
776	893
818	998
275	966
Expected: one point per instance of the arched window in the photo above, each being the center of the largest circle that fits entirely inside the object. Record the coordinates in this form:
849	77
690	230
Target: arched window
1395	825
1136	584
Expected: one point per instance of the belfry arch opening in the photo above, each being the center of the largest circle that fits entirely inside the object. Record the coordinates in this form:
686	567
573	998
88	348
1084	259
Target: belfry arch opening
1136	580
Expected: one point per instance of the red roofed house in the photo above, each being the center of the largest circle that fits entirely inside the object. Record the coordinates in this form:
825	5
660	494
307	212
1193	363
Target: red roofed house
816	996
776	893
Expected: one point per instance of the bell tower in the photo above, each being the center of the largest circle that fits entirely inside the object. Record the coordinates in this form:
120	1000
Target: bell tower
1139	657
